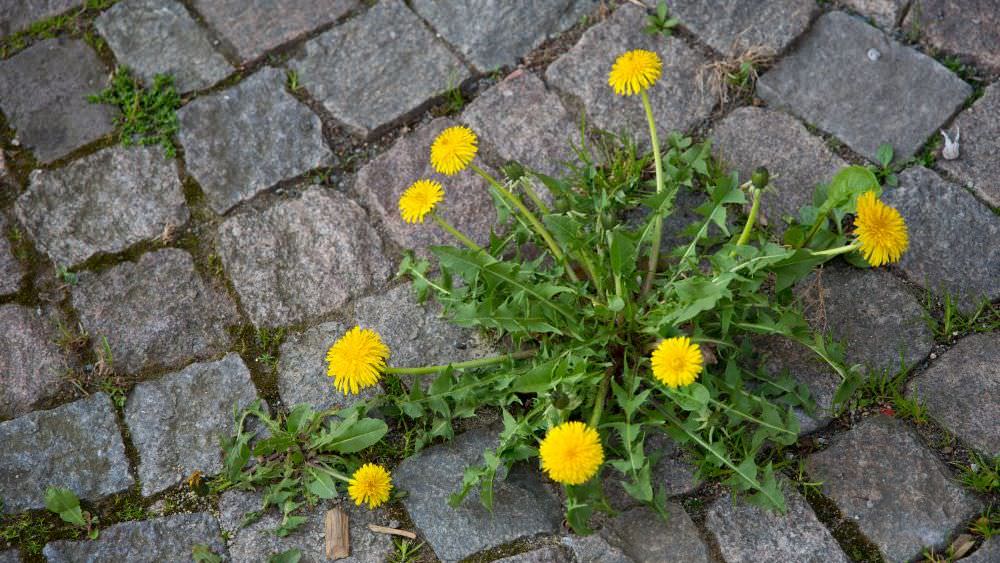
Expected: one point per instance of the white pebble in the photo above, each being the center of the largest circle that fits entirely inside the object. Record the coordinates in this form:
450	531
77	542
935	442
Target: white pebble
874	55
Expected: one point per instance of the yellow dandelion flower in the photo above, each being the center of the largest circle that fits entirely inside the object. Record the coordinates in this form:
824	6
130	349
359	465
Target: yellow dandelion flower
571	453
881	231
370	483
677	362
356	361
635	71
419	199
453	150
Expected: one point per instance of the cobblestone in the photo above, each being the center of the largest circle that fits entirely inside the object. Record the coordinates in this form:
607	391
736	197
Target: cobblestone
155	313
896	490
301	258
961	389
177	422
131	195
968	28
162	539
645	538
159	37
680	100
243	140
43	92
11	269
733	27
977	166
14	17
831	80
31	364
374	58
76	446
547	554
885	13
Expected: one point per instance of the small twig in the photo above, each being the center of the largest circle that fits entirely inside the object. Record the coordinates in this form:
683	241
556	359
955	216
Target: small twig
391	531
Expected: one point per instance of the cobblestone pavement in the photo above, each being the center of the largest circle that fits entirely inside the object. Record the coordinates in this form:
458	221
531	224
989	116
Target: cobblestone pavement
142	296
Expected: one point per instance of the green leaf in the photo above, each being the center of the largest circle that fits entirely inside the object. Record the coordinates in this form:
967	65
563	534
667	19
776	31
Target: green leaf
538	379
351	438
202	553
290	556
321	483
300	417
624	254
847	185
884	154
795	267
59	499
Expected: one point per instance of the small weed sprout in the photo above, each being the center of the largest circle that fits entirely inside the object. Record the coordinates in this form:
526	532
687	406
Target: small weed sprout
661	23
66	504
982	474
148	115
407	551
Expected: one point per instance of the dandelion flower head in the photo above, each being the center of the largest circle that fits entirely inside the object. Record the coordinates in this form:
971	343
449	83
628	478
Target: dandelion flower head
677	362
571	453
357	360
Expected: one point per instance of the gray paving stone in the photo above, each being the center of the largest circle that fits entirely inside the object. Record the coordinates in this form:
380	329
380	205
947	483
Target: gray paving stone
679	99
11	269
522	505
962	391
77	446
525	122
977	165
254	27
159	37
968	28
732	27
594	549
257	541
547	554
950	238
131	195
885	13
301	258
377	68
901	98
244	140
780	354
467	204
645	538
177	421
749	533
12	556
896	490
43	94
156	312
413	332
673	472
31	364
989	552
871	312
17	14
495	34
797	160
170	538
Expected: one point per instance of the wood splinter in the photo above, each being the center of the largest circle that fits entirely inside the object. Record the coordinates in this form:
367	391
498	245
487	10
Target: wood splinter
392	531
338	540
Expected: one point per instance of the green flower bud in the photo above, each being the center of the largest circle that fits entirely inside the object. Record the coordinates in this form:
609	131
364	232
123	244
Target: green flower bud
760	178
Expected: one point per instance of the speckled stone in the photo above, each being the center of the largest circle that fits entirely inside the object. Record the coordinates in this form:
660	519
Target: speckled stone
156	312
522	505
525	122
897	491
900	98
968	28
547	554
871	312
249	544
377	68
797	160
131	195
952	238
301	258
12	556
414	334
11	269
467	205
31	365
76	446
43	94
178	421
885	13
170	538
977	165
961	389
254	27
680	100
18	14
745	532
989	552
494	34
645	538
733	26
243	140
159	37
594	549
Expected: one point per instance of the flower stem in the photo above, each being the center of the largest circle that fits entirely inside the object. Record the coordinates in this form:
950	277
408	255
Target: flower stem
533	196
754	210
456	233
424	370
838	250
602	393
654	251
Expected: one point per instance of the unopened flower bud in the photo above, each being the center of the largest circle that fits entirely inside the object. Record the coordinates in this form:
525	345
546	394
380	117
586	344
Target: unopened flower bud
760	178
